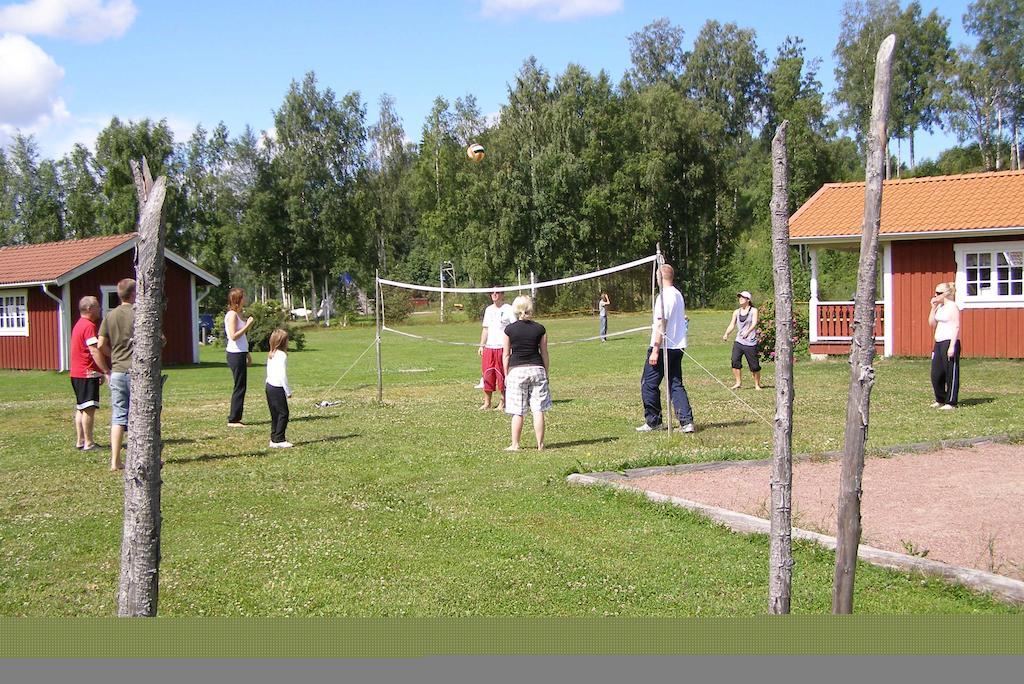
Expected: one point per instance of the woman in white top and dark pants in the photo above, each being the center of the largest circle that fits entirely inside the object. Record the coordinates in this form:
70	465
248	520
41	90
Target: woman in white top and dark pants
945	318
237	347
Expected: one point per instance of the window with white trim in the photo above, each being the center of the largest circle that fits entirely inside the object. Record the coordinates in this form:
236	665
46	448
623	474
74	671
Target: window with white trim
14	313
990	274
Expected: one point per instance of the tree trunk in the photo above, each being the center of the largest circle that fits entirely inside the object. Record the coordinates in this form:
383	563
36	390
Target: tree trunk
780	571
911	142
140	542
862	349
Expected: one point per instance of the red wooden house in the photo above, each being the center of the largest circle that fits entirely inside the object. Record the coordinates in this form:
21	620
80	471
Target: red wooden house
40	286
966	229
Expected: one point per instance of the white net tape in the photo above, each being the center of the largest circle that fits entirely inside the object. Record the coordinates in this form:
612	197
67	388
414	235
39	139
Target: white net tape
525	286
385	328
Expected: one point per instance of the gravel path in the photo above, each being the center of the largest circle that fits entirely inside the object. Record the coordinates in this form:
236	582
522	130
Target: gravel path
961	506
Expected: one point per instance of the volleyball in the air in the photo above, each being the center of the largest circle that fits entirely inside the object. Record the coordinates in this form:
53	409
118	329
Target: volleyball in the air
475	152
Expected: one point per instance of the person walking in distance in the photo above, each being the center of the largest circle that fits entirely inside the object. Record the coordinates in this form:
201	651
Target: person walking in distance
603	313
744	320
668	340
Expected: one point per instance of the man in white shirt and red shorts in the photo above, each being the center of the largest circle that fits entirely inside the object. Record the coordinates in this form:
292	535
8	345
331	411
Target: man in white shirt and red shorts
492	343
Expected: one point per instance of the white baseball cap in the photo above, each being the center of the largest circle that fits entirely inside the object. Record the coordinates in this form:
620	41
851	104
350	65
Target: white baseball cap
744	294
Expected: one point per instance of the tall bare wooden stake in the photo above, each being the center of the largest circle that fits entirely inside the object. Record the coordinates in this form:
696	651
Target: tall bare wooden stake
862	348
378	304
780	570
140	541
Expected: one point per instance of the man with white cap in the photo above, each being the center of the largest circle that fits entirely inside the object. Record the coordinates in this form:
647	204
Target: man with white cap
744	320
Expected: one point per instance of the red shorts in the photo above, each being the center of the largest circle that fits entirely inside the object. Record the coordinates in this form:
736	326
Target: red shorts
493	370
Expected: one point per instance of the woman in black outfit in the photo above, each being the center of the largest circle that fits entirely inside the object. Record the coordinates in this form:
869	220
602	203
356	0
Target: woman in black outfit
525	358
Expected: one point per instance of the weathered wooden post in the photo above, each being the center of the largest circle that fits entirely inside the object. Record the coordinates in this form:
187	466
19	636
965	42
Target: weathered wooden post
138	590
780	575
378	306
862	348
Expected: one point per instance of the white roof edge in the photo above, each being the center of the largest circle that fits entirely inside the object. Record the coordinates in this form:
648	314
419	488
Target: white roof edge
935	234
192	268
33	283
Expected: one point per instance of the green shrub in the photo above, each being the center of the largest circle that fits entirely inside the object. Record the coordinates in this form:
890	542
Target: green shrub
267	317
766	331
397	304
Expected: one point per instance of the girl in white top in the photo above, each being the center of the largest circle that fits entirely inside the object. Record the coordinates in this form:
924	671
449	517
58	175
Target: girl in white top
239	358
945	318
278	389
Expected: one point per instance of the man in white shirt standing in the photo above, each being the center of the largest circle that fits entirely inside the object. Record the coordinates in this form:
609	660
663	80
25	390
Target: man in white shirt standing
668	339
492	343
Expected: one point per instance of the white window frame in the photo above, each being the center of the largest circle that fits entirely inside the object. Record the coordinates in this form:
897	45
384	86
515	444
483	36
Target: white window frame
987	299
105	291
12	331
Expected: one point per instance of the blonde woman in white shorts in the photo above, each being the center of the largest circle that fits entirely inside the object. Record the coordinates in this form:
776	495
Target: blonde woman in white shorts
525	358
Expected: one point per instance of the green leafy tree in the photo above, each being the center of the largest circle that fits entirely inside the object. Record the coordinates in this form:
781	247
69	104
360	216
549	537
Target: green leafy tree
999	27
656	54
81	192
34	189
115	146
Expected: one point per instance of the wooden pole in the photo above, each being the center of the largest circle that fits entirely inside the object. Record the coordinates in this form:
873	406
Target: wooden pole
862	348
441	274
138	589
380	321
664	344
780	556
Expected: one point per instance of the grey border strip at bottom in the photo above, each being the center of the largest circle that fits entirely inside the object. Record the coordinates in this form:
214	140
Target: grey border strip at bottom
1001	587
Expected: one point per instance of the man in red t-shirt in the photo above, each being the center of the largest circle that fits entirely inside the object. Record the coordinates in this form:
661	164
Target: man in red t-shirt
88	367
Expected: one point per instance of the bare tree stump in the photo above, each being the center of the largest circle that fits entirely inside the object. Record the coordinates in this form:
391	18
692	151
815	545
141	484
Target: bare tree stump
140	541
780	559
862	348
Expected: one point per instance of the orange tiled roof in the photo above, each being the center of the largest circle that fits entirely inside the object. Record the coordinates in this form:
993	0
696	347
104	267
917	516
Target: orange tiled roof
976	201
47	261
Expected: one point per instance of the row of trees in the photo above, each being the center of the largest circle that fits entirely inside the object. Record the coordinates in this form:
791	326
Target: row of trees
580	172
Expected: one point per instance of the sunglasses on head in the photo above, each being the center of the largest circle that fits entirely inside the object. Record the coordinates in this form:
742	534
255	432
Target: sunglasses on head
940	292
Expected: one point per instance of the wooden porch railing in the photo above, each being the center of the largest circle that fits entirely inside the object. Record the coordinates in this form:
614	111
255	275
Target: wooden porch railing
835	320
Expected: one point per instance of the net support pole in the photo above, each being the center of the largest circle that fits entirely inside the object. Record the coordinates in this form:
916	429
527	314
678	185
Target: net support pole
664	342
441	274
377	311
533	289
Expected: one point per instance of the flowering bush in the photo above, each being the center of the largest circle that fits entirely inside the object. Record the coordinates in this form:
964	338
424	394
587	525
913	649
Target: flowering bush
766	331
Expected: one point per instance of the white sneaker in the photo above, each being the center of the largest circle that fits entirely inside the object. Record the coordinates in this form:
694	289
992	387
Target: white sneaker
936	404
281	445
479	385
688	428
647	428
947	407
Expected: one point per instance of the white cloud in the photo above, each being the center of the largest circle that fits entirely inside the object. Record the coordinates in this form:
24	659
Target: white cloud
89	21
28	84
550	10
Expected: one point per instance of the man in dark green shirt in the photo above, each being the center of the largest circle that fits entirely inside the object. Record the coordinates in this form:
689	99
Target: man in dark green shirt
115	340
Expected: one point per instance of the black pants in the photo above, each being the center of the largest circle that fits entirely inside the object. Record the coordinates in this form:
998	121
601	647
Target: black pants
750	352
277	400
650	385
946	373
239	372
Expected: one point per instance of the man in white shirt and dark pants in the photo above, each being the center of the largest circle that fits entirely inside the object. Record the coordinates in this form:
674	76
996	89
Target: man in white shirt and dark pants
668	339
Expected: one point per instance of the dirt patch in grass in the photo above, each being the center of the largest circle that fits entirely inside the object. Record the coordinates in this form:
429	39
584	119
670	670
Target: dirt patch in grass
959	506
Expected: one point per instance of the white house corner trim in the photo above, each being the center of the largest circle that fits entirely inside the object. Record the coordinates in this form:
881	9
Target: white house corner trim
195	318
812	320
888	310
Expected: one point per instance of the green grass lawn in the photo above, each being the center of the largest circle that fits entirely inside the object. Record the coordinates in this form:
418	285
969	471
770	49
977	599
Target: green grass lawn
412	508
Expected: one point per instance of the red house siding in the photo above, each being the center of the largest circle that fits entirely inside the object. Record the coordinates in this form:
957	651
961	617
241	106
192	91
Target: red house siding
39	349
177	287
918	266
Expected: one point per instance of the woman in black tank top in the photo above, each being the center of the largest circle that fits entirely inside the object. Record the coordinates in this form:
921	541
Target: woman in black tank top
525	357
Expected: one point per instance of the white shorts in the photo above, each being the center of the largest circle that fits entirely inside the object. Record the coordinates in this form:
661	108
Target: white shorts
527	387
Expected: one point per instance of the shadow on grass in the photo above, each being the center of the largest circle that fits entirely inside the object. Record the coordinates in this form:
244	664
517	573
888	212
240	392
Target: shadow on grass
192	440
329	438
297	419
976	401
580	442
725	424
561	401
266	451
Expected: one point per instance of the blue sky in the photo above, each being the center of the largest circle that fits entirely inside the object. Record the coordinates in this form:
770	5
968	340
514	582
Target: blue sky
67	66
